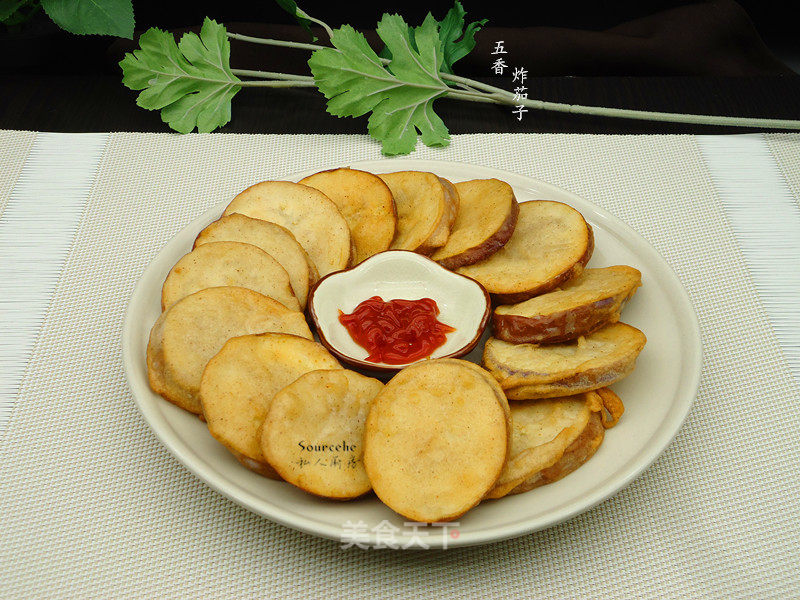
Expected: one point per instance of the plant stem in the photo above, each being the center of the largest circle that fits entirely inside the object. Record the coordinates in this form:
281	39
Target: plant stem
324	25
470	96
476	84
647	115
278	84
270	42
468	88
496	95
271	75
642	115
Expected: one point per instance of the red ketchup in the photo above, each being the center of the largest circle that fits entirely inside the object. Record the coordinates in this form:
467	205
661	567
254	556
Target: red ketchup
398	331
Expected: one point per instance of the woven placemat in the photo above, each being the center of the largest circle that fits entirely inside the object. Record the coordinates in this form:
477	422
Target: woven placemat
785	148
91	505
14	149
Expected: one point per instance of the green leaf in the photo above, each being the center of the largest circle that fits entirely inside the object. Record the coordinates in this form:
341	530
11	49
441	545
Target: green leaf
103	17
400	98
9	7
290	6
190	82
450	29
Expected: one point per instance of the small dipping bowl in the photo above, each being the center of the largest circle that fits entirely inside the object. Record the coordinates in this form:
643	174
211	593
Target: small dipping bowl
398	274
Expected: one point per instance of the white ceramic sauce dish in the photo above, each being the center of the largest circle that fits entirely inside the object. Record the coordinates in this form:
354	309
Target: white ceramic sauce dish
463	303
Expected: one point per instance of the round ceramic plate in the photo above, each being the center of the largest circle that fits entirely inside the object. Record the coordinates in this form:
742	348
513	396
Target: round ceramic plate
657	396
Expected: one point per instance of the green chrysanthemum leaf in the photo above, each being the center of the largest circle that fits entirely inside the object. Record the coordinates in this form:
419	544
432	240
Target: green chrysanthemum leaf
455	42
191	82
290	6
400	96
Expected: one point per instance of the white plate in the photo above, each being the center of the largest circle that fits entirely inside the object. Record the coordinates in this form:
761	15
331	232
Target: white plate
657	396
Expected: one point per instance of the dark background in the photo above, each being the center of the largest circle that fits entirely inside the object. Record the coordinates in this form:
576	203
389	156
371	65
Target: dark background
580	14
715	57
774	20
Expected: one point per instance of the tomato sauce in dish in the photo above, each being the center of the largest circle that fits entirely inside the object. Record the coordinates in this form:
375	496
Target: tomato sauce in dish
398	331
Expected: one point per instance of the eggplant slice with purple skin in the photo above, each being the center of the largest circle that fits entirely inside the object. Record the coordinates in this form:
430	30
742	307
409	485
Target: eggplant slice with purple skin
551	244
584	304
485	221
530	371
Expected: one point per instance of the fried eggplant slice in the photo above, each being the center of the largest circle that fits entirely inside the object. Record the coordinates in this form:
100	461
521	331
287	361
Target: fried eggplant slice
551	244
426	209
606	412
529	371
585	303
541	432
314	431
273	239
366	203
228	264
194	329
241	380
421	436
486	218
313	219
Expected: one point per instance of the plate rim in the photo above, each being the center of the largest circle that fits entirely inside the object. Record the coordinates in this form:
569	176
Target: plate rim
658	443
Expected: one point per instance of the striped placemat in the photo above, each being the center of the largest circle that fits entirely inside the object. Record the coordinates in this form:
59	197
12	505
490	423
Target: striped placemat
785	148
762	206
14	149
43	207
92	506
